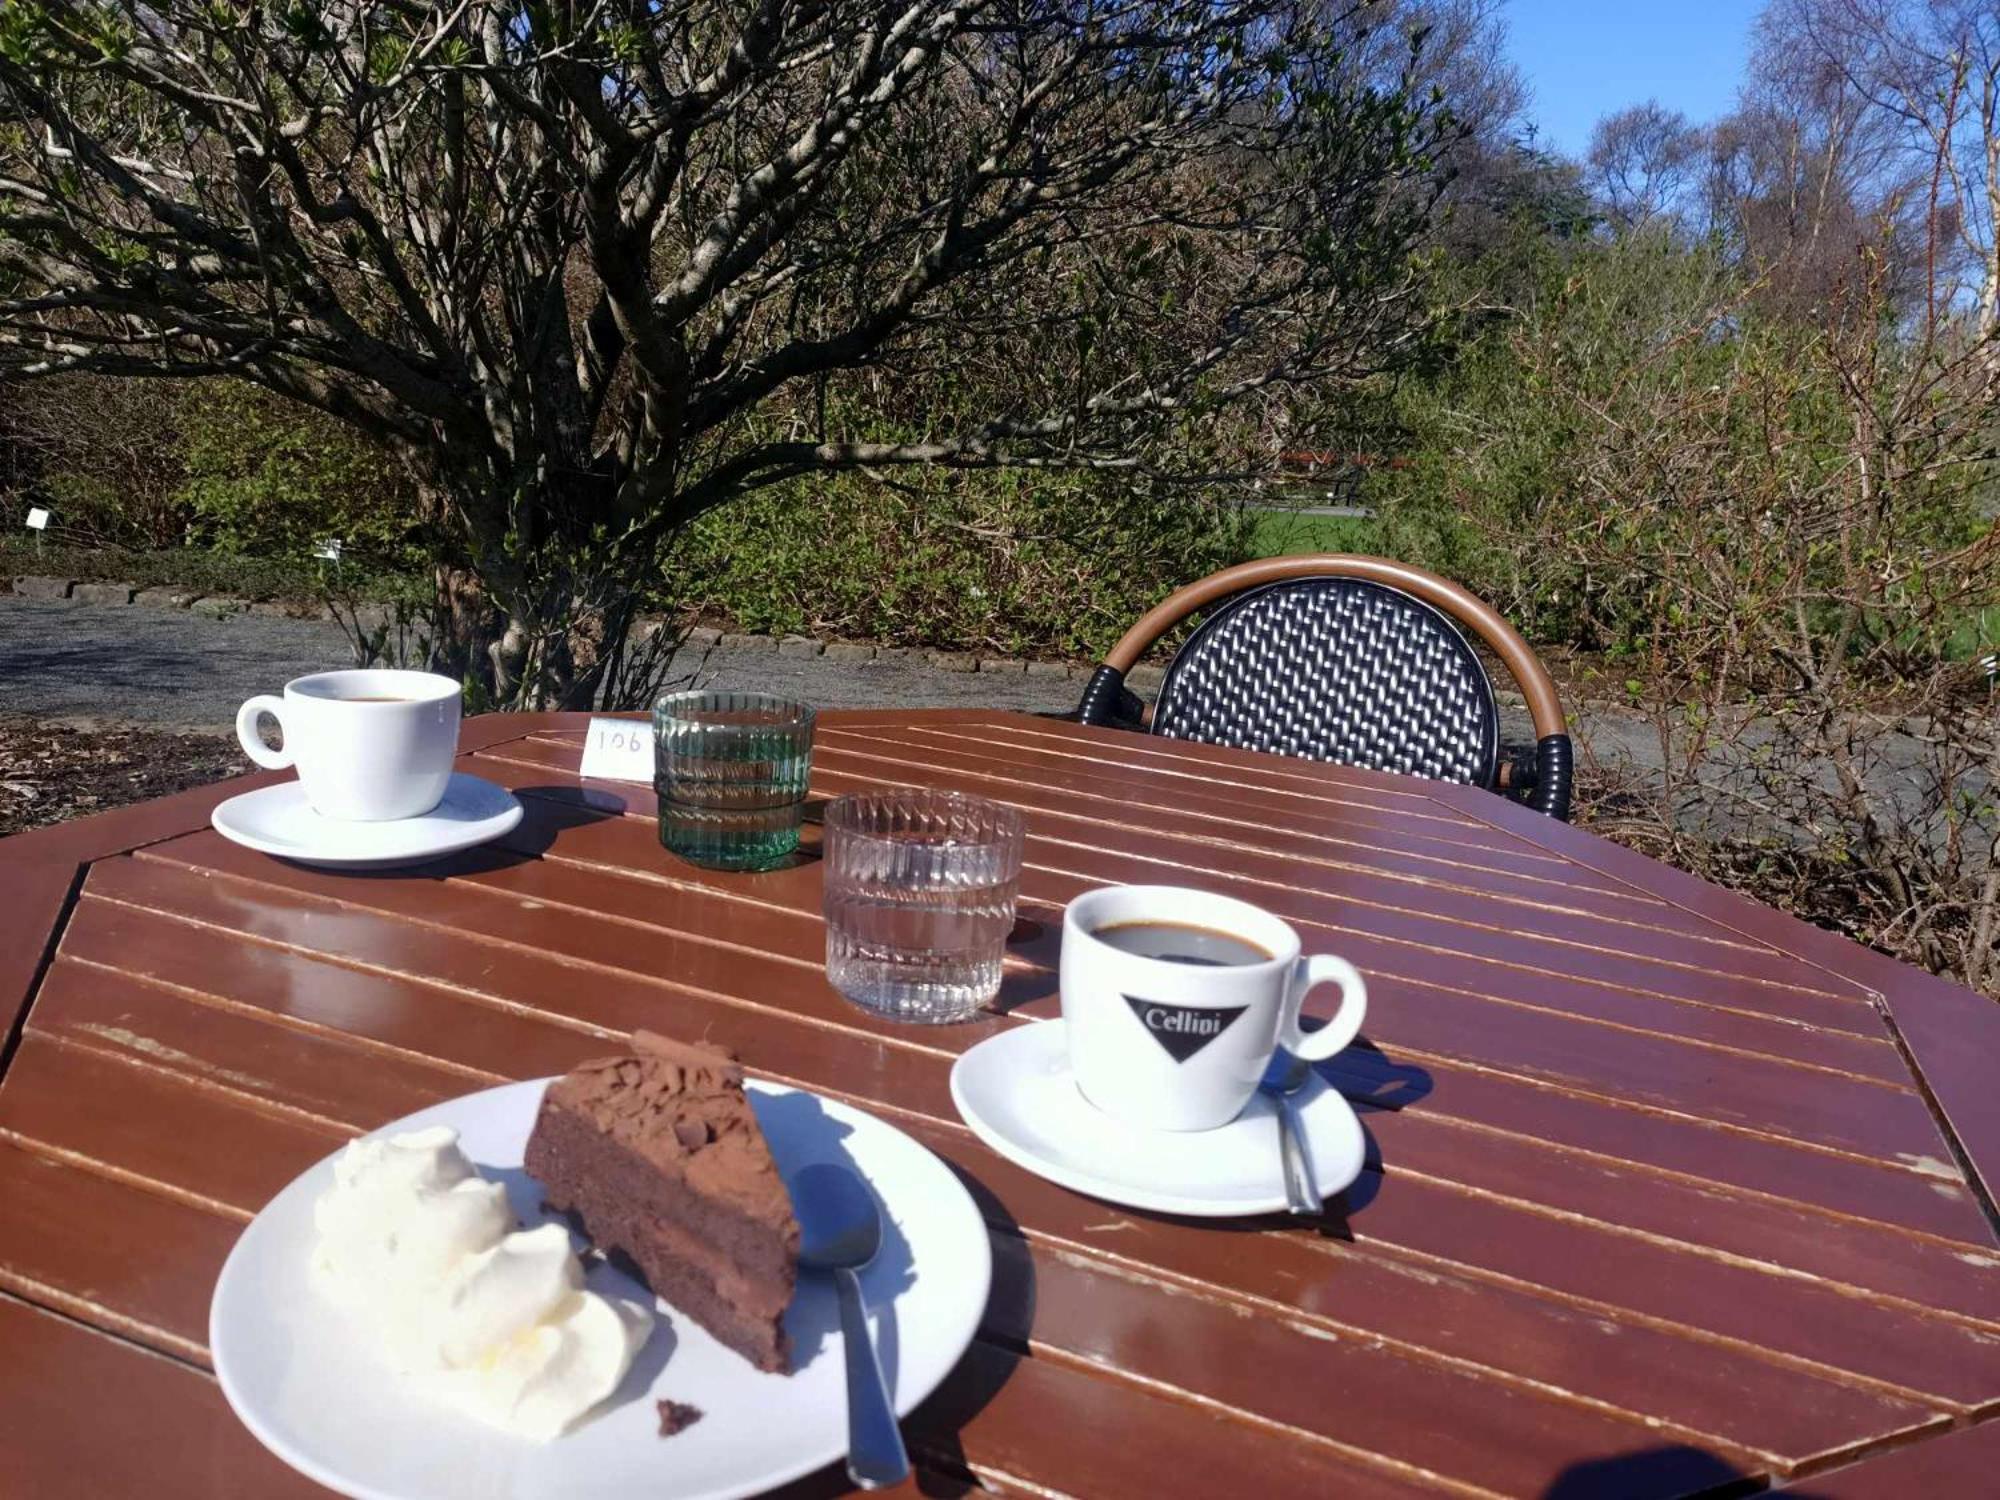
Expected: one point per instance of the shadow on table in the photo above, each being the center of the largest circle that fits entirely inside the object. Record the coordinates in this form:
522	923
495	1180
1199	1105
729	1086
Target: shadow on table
812	834
1371	1081
1673	1470
549	811
932	1430
1368	1075
1036	939
564	805
1021	989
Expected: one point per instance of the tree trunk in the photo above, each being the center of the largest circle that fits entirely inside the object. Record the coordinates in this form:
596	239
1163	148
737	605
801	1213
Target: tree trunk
537	615
565	645
468	630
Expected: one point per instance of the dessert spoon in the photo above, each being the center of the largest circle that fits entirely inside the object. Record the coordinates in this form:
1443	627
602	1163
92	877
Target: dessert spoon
840	1230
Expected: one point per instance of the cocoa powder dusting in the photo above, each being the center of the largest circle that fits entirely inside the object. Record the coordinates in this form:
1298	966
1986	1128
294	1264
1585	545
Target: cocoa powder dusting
682	1107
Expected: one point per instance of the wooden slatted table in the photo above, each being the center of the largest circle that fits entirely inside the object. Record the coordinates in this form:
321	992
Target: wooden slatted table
1668	1193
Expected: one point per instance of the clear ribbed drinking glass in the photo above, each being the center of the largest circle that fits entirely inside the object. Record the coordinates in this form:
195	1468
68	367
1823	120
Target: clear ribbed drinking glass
920	889
730	770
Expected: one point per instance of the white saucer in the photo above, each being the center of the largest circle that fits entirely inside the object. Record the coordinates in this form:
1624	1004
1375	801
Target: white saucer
1017	1093
278	820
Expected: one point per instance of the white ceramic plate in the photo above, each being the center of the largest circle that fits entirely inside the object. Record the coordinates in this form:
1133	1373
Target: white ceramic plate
316	1393
1017	1093
278	820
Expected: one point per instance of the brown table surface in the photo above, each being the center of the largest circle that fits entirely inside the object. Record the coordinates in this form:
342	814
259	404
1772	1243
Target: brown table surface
1668	1193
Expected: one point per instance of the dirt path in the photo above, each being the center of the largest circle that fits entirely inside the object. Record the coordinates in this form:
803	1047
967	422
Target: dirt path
52	771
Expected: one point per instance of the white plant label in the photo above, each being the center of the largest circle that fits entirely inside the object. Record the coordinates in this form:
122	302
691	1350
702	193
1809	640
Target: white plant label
328	550
618	750
38	519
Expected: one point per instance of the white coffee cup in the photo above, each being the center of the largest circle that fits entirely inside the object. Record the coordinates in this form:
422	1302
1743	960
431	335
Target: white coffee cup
1182	1045
370	746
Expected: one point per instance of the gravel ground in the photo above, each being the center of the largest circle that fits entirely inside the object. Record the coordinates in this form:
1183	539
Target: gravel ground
131	664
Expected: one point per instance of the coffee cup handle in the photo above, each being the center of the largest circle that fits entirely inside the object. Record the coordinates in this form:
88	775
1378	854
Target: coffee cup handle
1310	972
252	743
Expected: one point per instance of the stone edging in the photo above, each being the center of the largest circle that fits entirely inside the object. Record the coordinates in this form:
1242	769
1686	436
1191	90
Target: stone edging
1143	679
166	596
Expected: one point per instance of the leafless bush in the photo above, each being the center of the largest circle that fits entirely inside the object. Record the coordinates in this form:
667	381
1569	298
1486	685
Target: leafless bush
1802	521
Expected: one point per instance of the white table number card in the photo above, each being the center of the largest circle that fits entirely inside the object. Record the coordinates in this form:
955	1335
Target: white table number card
618	750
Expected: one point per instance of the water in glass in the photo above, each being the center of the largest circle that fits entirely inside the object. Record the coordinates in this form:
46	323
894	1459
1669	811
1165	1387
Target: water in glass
920	893
731	773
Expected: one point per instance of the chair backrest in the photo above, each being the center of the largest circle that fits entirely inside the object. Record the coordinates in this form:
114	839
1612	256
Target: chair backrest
1340	657
1336	669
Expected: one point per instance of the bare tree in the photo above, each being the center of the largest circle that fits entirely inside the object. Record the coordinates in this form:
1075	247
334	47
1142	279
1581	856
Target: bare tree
1642	163
1784	527
1455	47
1929	72
596	267
1806	172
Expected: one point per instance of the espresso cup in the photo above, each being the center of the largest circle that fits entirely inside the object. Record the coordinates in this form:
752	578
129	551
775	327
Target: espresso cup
370	746
1175	999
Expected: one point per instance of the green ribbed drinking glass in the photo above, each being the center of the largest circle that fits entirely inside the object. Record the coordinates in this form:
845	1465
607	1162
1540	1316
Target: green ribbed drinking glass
731	770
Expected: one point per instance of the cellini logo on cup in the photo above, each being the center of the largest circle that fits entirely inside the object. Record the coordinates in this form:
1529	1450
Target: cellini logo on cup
1183	1030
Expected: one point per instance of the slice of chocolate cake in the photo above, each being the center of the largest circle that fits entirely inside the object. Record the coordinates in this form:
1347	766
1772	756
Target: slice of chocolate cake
658	1156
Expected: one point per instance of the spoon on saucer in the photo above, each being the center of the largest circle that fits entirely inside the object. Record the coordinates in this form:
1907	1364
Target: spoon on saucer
1283	1084
840	1230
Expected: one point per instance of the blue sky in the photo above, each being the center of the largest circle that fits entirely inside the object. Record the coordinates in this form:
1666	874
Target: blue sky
1586	58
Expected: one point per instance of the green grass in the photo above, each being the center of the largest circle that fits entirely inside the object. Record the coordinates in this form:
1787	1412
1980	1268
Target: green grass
1284	533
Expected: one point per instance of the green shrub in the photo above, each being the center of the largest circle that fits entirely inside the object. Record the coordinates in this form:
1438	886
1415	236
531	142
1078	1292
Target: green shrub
224	487
1637	397
164	465
269	479
1036	564
104	456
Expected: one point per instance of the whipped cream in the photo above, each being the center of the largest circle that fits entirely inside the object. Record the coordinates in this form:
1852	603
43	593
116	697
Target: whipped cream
426	1253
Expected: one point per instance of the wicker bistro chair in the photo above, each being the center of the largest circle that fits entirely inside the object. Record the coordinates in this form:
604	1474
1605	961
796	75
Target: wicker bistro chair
1356	660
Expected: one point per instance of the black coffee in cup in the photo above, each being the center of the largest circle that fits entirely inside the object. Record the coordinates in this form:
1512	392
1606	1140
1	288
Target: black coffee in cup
1180	943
